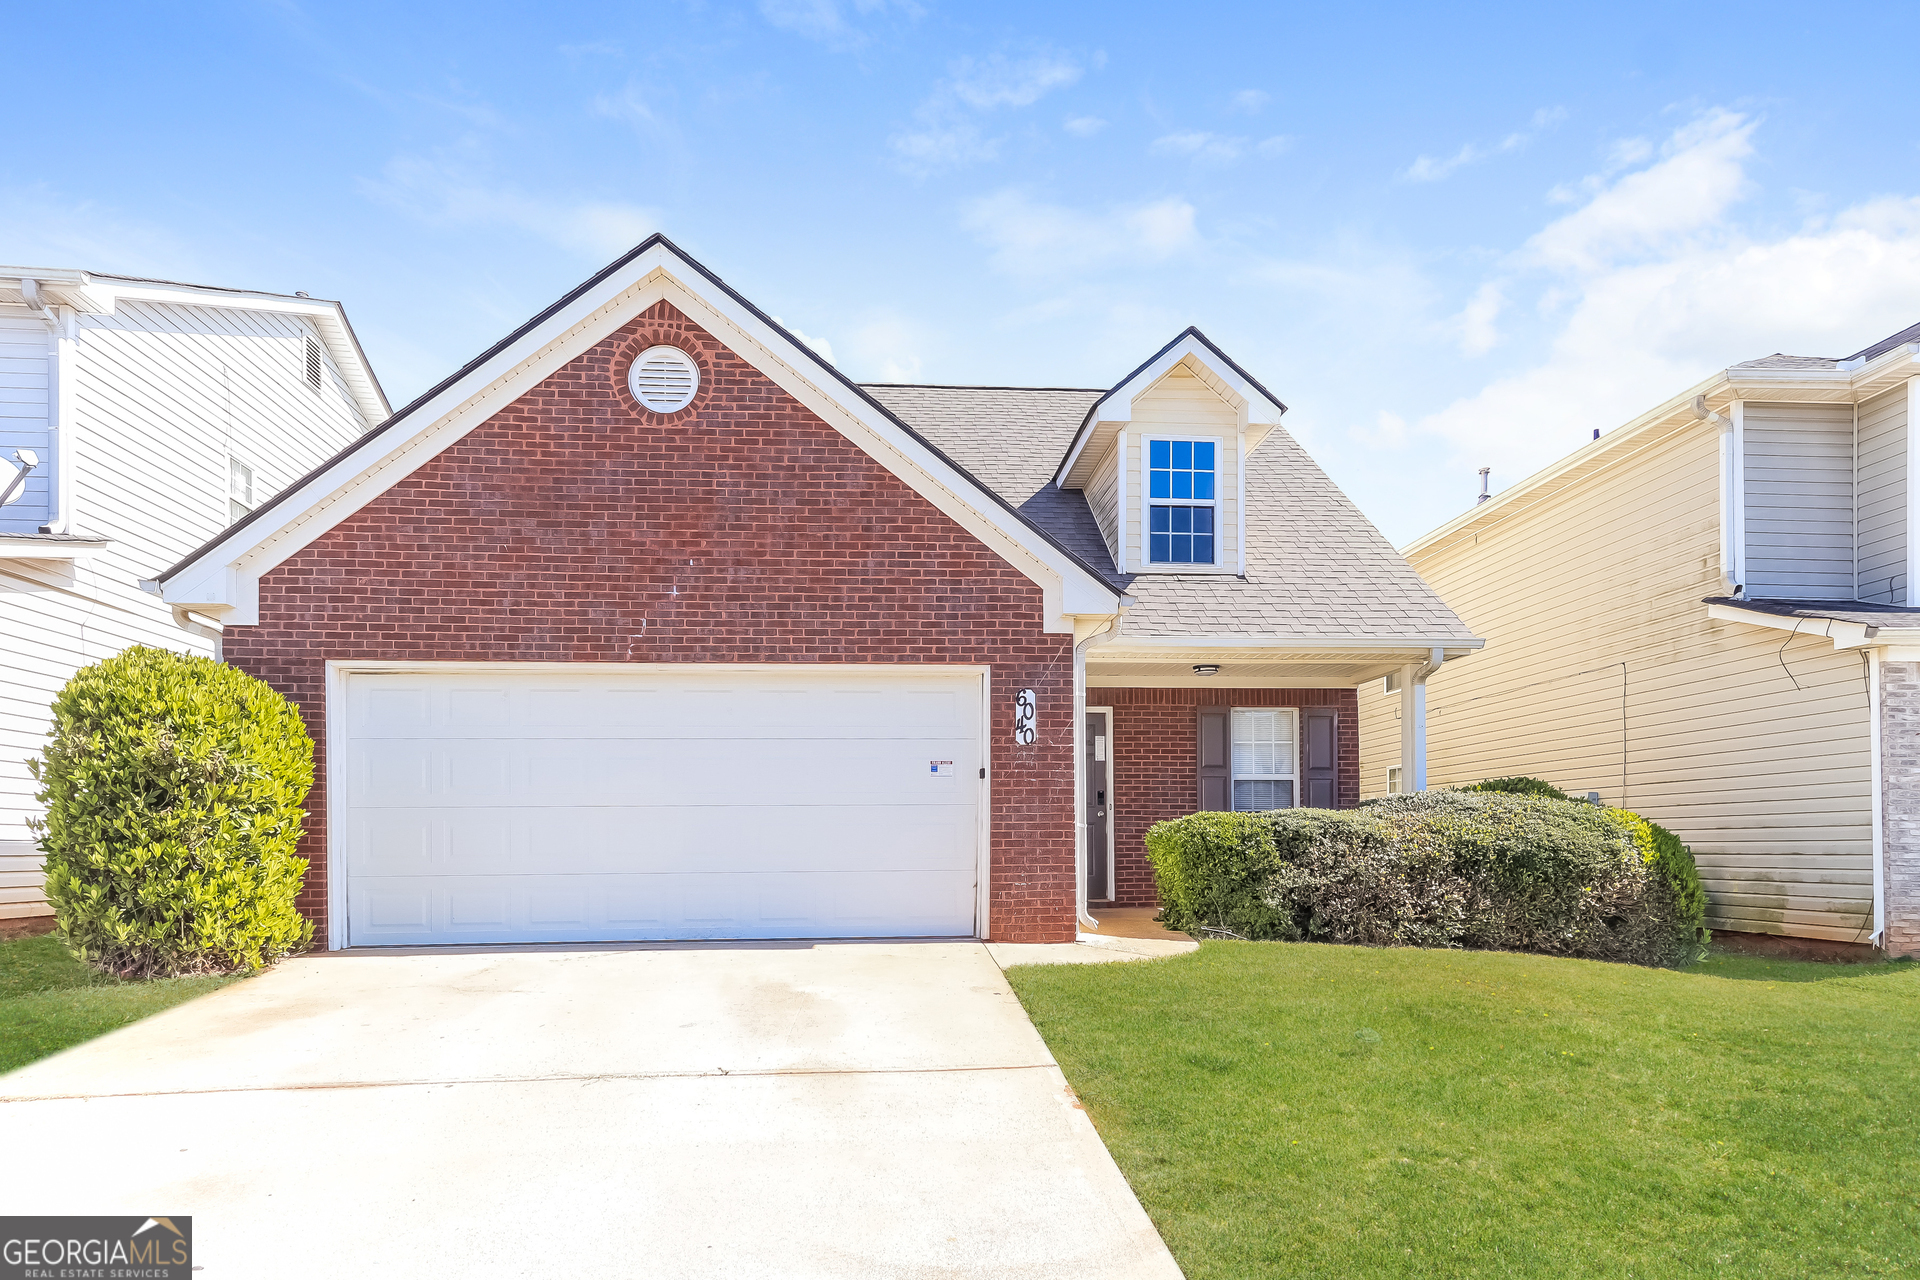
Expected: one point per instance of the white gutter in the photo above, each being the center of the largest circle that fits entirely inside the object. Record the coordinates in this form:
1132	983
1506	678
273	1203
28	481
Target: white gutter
61	361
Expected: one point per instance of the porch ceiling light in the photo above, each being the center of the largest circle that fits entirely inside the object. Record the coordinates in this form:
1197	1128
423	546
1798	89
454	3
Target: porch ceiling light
1206	668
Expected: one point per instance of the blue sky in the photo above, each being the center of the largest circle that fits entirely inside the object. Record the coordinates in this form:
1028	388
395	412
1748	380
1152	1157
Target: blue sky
1447	239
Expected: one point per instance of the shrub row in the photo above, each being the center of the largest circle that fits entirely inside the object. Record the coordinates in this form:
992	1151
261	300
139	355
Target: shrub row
1499	869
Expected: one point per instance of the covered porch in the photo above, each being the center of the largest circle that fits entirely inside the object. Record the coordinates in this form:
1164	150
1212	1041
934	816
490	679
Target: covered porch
1177	725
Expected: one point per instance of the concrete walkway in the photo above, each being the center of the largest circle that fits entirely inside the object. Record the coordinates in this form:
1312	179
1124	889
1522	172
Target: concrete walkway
745	1109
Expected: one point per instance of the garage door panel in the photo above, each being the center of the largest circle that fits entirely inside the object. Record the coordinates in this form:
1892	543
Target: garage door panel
440	840
428	909
576	805
558	774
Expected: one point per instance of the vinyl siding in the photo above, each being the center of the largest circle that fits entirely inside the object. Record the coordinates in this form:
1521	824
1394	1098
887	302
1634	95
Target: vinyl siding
1603	673
23	418
1880	486
1182	405
1103	497
163	395
1798	478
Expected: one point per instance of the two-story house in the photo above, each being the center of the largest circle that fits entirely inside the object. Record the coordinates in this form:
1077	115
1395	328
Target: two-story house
1709	615
138	418
649	623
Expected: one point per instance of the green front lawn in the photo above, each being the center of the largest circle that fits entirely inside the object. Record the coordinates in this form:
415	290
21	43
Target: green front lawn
1307	1110
49	1000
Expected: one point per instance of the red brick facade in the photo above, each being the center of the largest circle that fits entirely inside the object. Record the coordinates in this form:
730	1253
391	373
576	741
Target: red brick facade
575	526
1154	763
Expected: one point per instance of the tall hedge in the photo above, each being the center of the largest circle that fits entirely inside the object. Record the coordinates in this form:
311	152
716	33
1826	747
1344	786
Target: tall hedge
1492	870
173	786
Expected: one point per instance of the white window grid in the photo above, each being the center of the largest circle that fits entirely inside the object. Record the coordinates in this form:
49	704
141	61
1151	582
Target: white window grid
1265	755
239	489
1147	503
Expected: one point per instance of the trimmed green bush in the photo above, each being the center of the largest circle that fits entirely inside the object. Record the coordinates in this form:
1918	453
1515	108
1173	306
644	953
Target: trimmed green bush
173	787
1518	786
1488	870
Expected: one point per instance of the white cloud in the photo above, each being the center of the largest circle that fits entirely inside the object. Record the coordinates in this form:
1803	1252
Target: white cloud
1475	324
1432	169
1251	100
1217	148
1659	285
1701	173
999	81
887	348
821	345
446	191
1028	239
1206	147
947	130
1084	126
827	20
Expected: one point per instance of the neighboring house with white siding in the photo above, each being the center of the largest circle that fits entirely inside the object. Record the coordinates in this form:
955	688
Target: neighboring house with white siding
1708	616
146	416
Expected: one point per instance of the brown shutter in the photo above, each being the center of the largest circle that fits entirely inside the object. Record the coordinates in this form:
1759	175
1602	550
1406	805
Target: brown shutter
1213	753
1319	739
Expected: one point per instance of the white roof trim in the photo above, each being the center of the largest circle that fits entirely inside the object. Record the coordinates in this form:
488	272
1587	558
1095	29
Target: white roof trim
1845	635
90	293
1249	399
224	576
1147	645
1809	386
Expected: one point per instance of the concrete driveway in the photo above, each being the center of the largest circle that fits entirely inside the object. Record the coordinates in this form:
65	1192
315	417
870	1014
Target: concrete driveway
746	1109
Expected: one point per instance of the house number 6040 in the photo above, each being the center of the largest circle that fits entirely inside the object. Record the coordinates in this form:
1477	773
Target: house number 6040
1025	711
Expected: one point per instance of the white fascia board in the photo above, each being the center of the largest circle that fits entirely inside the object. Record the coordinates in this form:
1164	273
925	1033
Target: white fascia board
42	549
1124	643
225	576
327	316
1845	635
1257	411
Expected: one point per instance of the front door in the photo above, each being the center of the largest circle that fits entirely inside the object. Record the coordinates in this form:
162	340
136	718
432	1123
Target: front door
1098	749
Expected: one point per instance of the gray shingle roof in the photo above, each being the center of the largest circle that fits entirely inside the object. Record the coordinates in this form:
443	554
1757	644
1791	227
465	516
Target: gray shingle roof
1316	567
1778	361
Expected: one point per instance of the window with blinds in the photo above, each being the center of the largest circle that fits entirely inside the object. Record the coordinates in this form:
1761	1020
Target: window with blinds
1266	758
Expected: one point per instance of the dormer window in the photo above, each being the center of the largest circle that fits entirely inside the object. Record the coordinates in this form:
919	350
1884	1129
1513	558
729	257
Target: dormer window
1181	501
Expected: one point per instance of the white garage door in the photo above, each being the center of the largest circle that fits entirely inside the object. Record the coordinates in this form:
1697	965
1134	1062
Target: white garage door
580	804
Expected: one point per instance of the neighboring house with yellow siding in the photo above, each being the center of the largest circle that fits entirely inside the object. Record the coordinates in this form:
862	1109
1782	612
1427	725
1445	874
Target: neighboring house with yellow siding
1707	616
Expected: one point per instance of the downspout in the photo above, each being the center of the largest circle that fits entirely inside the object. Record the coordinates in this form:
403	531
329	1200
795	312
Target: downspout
60	398
1086	923
1729	553
1413	721
1872	658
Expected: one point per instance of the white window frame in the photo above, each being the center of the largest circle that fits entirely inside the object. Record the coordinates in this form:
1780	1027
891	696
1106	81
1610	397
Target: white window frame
1147	564
1391	682
1395	786
1235	777
239	507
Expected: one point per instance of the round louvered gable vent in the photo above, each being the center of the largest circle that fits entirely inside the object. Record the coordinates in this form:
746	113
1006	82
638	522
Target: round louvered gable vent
664	379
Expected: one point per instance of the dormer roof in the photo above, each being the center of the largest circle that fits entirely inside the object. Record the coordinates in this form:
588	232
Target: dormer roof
1258	409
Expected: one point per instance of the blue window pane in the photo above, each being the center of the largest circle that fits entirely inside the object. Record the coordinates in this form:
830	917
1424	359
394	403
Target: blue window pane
1203	484
1182	549
1203	456
1202	519
1160	553
1160	518
1182	519
1182	484
1159	486
1183	455
1157	454
1202	549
